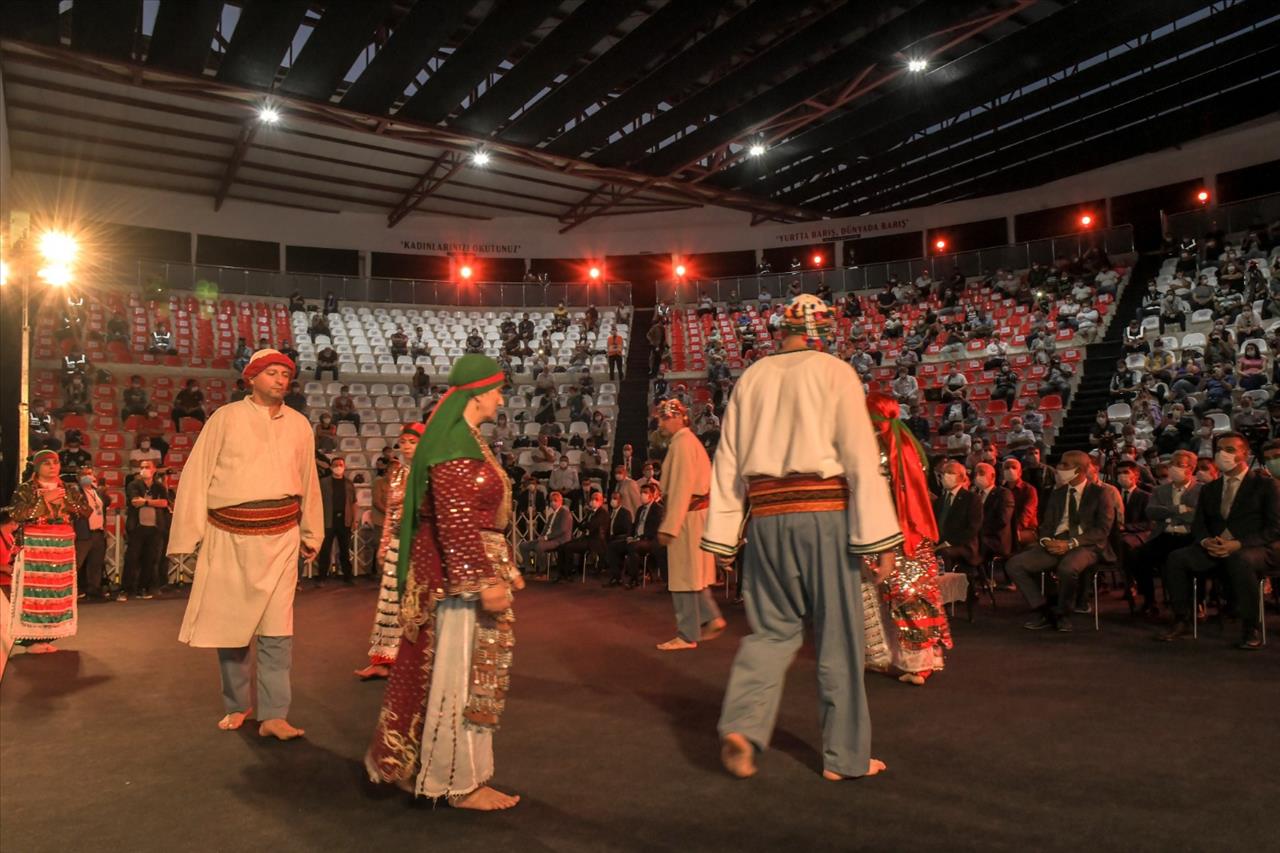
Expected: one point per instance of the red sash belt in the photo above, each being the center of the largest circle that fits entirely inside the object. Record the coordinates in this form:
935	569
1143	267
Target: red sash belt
797	493
258	518
698	502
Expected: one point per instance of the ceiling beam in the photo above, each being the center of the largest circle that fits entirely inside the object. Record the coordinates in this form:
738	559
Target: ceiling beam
238	152
183	33
442	168
346	27
106	26
261	39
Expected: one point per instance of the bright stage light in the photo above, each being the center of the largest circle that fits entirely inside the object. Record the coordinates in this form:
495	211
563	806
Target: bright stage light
465	272
940	244
594	272
480	158
58	248
817	260
4	273
917	65
268	115
756	150
1202	196
1086	220
56	275
680	270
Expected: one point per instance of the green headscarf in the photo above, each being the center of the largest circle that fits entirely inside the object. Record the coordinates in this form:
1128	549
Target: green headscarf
447	437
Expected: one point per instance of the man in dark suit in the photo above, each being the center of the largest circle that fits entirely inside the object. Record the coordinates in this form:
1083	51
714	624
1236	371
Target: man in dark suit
558	531
959	514
1171	511
1236	531
1075	534
644	539
1026	503
1039	476
620	530
995	538
1135	529
593	532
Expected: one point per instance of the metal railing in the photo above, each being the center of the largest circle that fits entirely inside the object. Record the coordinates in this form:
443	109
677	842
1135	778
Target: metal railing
1231	218
216	282
1115	241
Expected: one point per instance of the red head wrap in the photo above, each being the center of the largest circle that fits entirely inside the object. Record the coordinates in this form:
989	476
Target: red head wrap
906	472
264	358
414	429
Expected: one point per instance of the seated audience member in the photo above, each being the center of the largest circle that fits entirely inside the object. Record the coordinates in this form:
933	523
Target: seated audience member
1171	511
1006	385
1236	531
592	535
643	541
1252	368
242	356
344	408
1124	382
558	531
326	433
1134	336
1135	528
295	399
162	341
1161	362
134	399
565	481
1026	502
619	534
188	403
74	457
953	384
959	514
1074	535
144	452
996	536
327	362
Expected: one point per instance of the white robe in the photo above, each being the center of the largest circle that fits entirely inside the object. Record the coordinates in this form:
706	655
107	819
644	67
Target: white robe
800	412
244	585
686	472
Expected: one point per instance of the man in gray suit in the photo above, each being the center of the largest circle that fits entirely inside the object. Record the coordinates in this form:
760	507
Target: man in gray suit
1075	535
559	530
1172	509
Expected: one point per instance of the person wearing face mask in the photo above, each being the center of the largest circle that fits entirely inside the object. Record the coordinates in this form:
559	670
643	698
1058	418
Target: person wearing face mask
1271	458
1026	502
592	535
1135	527
959	514
143	451
1074	536
643	541
1171	511
558	531
996	536
1236	531
339	501
565	481
91	537
615	550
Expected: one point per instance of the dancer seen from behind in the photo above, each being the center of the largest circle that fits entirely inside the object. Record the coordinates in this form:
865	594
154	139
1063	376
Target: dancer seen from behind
448	686
906	625
797	443
686	474
44	574
385	638
249	500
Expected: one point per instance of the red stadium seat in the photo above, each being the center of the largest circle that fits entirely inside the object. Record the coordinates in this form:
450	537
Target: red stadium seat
75	422
1051	403
110	441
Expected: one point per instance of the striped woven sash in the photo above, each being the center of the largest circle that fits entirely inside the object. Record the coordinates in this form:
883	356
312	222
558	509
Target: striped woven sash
697	502
797	493
258	518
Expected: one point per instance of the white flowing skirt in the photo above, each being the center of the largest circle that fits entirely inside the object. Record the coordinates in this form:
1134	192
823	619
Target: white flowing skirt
457	757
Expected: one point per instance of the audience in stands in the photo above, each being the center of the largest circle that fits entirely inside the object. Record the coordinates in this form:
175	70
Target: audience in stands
188	403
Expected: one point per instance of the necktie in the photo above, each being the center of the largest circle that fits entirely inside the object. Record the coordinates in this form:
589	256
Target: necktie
1229	487
1073	512
946	508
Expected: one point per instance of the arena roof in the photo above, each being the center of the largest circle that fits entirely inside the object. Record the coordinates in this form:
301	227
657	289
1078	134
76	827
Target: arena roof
593	108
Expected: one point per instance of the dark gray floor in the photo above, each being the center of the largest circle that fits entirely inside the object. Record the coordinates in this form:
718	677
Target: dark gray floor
1027	742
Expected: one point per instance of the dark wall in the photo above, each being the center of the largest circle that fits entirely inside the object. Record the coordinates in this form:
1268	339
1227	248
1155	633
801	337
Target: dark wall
1249	182
780	257
568	269
1142	209
321	261
398	265
720	264
968	236
1058	221
643	271
878	250
231	252
129	242
499	269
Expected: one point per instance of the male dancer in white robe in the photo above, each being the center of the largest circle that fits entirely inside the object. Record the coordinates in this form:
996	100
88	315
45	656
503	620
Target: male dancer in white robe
686	476
249	498
797	443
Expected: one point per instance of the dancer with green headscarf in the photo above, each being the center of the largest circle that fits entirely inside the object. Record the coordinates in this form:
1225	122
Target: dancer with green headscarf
449	681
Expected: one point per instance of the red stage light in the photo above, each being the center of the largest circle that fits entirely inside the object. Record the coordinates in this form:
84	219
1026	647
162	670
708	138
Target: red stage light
940	244
1086	220
680	270
465	272
1202	196
594	272
817	260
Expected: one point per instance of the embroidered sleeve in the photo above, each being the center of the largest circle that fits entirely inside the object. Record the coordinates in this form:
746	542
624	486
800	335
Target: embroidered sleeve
26	504
456	488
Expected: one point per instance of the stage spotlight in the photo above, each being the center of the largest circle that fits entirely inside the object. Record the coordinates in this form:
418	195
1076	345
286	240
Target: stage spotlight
480	158
680	270
465	272
56	275
594	273
917	65
58	248
1202	196
817	260
940	244
756	150
1086	220
268	115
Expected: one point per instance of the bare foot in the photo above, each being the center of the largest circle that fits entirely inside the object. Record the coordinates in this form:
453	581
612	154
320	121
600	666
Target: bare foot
738	755
231	722
676	645
486	799
713	629
41	649
916	678
280	729
876	766
374	670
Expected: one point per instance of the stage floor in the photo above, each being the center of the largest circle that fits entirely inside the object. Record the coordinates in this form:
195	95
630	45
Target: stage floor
1027	741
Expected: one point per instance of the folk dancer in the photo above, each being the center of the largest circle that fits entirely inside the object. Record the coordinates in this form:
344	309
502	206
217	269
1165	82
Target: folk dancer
447	689
385	639
249	499
43	608
906	625
686	473
797	442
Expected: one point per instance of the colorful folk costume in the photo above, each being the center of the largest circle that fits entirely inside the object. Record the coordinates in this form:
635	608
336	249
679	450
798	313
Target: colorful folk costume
249	498
448	686
385	638
686	477
906	625
797	448
44	574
